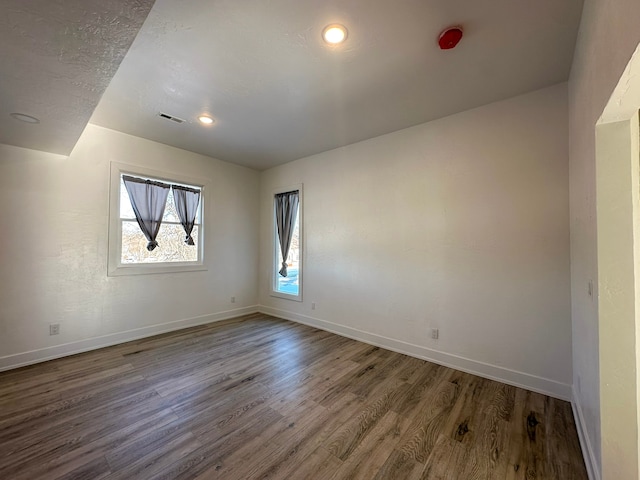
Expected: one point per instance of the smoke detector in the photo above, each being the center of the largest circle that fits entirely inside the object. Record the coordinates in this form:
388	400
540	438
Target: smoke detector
450	37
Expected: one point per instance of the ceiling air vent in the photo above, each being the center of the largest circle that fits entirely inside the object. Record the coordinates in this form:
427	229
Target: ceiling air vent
169	117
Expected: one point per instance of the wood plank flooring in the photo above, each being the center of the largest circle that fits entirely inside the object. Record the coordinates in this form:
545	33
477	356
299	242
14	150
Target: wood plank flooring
263	398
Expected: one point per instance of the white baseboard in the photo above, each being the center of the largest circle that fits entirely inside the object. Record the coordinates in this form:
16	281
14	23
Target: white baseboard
585	441
501	374
49	353
511	377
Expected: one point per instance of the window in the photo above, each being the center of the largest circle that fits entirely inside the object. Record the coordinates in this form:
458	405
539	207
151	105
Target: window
287	238
131	251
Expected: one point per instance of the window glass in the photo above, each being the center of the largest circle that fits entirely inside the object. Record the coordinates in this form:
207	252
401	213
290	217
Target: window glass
171	236
290	284
171	245
289	287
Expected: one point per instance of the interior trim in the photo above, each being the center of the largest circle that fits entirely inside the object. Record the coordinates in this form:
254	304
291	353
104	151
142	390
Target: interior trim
585	441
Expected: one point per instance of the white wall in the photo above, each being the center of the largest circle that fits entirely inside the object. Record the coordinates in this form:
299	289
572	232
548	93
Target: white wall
618	191
460	224
608	36
54	213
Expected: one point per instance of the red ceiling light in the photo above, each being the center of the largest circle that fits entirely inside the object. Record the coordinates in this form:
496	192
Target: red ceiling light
450	37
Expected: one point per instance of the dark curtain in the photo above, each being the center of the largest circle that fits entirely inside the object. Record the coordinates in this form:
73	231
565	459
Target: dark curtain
286	211
148	199
186	201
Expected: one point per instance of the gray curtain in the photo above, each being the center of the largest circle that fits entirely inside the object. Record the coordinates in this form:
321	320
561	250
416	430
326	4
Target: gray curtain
286	211
148	199
186	201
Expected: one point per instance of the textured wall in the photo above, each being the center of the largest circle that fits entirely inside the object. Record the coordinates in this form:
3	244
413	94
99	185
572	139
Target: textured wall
54	213
608	36
460	223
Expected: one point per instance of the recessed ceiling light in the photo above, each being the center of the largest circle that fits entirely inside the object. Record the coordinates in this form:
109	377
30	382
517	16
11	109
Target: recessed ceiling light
205	119
23	117
334	34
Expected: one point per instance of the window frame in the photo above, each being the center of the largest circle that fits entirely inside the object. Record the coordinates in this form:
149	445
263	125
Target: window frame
275	245
115	267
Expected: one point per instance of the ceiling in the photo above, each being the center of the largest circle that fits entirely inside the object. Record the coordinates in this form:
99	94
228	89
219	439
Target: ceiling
58	56
275	89
624	101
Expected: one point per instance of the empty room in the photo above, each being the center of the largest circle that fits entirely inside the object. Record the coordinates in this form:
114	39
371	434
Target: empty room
304	239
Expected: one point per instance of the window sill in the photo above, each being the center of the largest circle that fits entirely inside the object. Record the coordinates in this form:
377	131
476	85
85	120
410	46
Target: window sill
151	269
286	296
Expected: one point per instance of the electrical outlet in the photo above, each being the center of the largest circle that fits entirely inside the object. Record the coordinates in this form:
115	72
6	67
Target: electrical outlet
435	333
54	329
233	299
313	305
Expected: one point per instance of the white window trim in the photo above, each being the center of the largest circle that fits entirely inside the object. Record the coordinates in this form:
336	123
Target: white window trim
114	266
275	246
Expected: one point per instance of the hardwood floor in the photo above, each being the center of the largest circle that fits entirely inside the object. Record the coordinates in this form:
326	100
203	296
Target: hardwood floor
260	397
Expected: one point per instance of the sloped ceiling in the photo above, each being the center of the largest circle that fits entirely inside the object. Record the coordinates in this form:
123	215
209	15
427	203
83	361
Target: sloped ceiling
58	56
261	69
624	101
